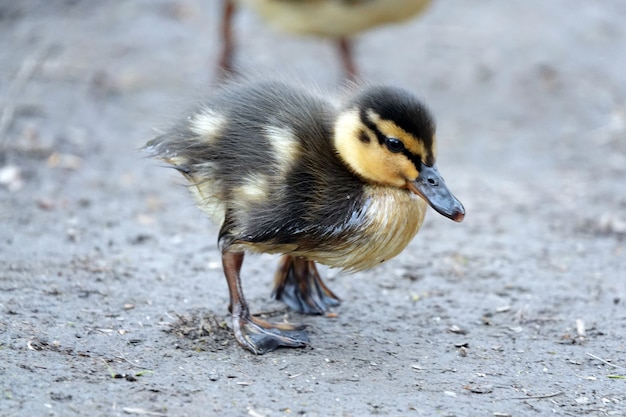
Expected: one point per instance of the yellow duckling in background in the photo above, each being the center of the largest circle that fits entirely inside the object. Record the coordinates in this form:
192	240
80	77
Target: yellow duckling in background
336	19
285	170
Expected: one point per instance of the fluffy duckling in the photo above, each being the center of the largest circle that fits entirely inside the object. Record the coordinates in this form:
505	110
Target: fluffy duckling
335	19
284	170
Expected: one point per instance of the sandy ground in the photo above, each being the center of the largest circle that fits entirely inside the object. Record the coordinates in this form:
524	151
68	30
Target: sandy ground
112	299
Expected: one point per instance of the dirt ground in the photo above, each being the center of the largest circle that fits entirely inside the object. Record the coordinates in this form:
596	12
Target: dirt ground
112	298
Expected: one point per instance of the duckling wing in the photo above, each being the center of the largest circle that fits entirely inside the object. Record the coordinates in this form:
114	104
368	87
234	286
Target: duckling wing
307	213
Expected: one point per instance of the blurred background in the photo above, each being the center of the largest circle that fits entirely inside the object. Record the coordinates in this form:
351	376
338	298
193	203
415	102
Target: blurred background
101	248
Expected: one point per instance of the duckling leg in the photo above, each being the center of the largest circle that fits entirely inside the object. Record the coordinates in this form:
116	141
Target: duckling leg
253	333
225	65
345	52
298	284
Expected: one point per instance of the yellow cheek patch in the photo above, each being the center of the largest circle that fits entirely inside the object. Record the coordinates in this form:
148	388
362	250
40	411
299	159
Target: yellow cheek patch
410	172
384	168
372	161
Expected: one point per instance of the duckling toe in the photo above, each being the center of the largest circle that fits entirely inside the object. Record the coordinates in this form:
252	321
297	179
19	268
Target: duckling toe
299	285
260	336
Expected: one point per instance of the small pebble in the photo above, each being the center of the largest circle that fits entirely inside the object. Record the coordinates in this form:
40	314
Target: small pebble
481	389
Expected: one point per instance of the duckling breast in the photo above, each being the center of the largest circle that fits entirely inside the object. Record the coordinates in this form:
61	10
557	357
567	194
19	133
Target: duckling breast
377	227
391	218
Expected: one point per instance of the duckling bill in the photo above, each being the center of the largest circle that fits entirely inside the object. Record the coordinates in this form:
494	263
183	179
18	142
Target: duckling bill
284	170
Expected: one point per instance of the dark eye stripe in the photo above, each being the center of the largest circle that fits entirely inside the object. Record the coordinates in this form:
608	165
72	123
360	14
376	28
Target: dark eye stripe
415	159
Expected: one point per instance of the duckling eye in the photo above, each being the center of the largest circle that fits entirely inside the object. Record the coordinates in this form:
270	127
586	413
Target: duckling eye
394	145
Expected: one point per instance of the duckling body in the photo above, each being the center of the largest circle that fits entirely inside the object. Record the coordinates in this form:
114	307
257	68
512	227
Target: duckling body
334	19
283	170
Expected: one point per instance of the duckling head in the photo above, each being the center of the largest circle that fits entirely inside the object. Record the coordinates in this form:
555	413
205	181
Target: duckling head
387	137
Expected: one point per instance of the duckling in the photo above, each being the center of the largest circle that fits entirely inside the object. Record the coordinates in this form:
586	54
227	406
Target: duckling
284	170
335	19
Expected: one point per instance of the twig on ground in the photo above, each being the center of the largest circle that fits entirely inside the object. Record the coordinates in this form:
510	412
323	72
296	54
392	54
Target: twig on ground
121	356
538	397
131	410
604	361
111	371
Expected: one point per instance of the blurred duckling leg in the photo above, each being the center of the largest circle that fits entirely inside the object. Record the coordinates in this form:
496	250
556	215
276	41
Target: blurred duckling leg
225	64
298	284
345	53
253	333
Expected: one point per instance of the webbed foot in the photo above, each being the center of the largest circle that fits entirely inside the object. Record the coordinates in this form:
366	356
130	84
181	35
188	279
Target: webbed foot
260	336
298	284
